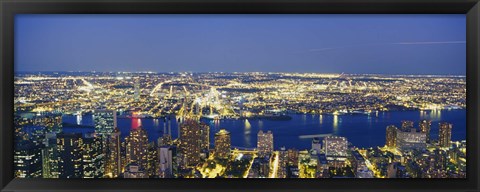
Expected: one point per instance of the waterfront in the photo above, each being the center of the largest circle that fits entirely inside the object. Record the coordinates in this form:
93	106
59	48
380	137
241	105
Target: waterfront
361	130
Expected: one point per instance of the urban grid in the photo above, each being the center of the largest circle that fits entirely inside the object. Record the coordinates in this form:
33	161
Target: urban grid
44	150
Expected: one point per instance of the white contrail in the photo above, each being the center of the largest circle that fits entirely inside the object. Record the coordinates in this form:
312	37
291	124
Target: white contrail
378	44
430	42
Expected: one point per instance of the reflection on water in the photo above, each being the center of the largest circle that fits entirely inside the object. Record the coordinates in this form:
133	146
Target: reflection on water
335	123
136	123
246	133
216	124
432	115
79	119
286	133
247	125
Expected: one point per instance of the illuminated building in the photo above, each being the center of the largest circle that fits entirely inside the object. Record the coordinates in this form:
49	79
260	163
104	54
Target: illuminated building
190	143
445	134
113	164
316	145
293	157
222	144
152	159
52	122
205	137
167	163
164	160
406	125
424	126
334	146
27	159
137	148
282	163
50	157
93	159
134	171
391	136
264	143
35	134
440	159
70	155
104	121
411	140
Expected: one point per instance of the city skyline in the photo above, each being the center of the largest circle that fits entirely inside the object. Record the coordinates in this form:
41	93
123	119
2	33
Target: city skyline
240	96
426	44
239	125
233	72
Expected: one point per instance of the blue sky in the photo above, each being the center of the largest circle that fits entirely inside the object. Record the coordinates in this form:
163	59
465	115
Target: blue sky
386	44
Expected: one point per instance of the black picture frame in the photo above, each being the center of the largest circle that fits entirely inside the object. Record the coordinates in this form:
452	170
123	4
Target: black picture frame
9	8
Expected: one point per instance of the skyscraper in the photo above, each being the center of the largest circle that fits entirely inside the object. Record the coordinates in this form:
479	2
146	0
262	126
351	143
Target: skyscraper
137	148
222	144
113	164
445	134
264	143
205	137
152	158
70	163
93	158
166	159
104	121
190	143
391	136
27	159
50	157
29	142
282	163
292	157
425	128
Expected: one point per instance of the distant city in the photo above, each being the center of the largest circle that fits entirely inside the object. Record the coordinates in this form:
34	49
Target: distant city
238	125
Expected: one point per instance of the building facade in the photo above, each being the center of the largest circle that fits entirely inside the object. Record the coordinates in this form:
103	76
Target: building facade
222	144
104	121
445	134
391	136
264	143
137	148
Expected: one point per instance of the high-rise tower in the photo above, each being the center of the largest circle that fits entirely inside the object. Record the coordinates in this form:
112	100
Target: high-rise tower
445	134
264	143
222	144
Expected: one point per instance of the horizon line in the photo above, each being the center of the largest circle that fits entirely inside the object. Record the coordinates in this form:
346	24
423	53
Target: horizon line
174	72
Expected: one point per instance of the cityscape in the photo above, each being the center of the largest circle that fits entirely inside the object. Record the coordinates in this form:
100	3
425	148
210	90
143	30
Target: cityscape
156	96
72	125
